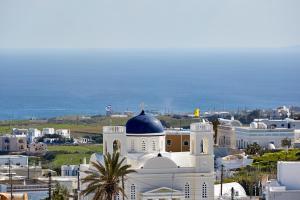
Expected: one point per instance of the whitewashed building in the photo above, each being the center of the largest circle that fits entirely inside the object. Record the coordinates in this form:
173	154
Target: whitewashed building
69	170
48	131
66	133
33	133
226	132
287	184
263	136
159	174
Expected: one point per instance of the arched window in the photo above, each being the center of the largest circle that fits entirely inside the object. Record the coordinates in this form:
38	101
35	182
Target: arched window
153	146
204	146
187	191
117	146
143	145
204	191
132	192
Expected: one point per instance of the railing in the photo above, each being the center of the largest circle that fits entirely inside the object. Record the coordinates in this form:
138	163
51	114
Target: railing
114	129
201	126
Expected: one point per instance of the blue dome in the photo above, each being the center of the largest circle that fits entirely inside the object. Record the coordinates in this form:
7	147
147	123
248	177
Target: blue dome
144	124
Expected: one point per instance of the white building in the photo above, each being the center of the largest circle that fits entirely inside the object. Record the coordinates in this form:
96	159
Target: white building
263	136
33	133
19	131
287	185
233	161
159	174
69	170
226	132
280	123
48	131
64	133
13	160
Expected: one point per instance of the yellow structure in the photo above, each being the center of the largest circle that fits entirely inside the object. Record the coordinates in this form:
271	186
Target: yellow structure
197	112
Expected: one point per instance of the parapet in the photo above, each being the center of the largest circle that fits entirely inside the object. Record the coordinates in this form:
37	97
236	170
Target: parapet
114	129
201	127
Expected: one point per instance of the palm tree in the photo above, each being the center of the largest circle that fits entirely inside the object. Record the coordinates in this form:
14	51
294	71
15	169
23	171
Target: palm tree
105	179
215	124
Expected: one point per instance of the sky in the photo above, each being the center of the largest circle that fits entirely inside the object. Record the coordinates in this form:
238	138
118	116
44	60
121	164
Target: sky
149	23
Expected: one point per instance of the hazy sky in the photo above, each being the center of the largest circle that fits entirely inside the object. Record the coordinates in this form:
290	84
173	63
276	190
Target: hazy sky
149	23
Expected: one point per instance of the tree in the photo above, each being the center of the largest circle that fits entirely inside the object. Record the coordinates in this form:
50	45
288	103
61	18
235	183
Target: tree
59	193
286	142
253	149
105	179
215	124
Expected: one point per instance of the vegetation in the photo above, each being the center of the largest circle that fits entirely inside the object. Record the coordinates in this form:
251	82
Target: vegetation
286	142
106	179
253	149
215	124
68	155
59	193
264	165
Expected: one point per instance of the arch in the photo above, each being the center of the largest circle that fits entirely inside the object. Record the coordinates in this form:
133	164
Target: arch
117	146
204	146
187	191
204	191
132	192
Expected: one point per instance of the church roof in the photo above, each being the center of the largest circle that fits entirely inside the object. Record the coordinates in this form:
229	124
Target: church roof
144	124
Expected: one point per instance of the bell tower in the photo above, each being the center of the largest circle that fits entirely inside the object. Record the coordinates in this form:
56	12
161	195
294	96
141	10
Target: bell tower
114	139
202	149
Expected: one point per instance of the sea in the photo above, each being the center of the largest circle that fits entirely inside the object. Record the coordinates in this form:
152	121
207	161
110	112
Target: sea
43	83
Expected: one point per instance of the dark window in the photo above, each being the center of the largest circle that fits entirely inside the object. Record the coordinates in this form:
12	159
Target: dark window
169	142
186	143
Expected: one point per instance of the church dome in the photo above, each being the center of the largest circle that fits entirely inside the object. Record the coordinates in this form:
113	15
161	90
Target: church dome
144	124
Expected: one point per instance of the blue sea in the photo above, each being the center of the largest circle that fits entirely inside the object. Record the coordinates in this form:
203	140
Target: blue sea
45	83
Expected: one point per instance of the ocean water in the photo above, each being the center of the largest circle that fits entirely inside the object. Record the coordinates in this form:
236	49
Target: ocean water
45	83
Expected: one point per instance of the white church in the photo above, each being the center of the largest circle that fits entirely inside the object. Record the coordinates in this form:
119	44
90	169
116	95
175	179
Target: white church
161	175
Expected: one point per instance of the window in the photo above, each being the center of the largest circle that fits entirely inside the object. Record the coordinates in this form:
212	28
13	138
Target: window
132	192
153	146
132	145
187	191
186	143
169	142
117	146
143	145
117	197
204	191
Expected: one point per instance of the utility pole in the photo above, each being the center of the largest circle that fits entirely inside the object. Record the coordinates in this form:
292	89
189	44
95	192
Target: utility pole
222	168
123	195
10	179
78	183
49	186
